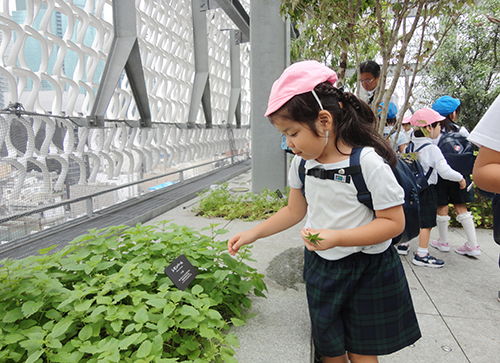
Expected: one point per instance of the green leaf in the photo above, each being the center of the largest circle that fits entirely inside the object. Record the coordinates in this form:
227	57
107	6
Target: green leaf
117	325
61	327
13	315
147	278
125	343
214	314
144	349
232	340
188	324
237	322
197	289
142	315
157	303
314	238
31	307
85	333
207	332
121	296
54	343
43	251
221	275
12	338
188	310
168	309
163	325
84	305
34	356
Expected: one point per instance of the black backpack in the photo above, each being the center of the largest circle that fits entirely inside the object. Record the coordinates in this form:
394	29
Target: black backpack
410	158
404	175
458	152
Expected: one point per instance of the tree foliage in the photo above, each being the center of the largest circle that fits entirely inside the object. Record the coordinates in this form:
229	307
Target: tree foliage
405	35
466	65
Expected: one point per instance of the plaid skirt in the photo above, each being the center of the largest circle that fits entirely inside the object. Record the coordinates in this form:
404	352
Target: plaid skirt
428	207
359	304
449	192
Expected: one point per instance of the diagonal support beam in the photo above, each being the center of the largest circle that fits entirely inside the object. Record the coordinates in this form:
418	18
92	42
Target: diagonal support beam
236	13
124	55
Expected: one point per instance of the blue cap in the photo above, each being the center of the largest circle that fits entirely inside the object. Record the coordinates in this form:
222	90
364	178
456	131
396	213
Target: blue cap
446	105
393	110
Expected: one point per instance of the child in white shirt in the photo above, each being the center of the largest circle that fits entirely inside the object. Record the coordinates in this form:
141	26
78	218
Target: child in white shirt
428	126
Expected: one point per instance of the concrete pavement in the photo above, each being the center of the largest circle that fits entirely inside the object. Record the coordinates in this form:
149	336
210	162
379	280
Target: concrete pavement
457	306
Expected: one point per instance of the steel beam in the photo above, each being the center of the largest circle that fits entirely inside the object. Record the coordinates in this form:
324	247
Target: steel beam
201	84
234	111
124	55
236	13
269	57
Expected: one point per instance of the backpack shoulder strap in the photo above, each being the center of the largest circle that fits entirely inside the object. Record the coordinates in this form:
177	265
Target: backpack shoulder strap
429	172
302	175
364	195
410	147
422	146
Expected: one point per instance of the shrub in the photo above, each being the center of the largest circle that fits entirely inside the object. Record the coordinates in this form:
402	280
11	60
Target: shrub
480	209
221	202
105	298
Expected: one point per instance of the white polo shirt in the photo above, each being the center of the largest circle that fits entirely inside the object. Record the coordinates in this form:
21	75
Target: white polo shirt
334	204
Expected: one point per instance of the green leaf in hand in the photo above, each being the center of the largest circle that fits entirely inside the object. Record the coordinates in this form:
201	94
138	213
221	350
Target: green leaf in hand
314	238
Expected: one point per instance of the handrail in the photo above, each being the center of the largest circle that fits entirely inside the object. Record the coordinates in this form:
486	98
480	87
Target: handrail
89	197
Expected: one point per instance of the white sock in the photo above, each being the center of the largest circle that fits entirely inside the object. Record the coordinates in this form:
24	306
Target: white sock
442	224
422	252
467	221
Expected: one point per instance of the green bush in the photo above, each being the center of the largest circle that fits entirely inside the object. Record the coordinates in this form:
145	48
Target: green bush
105	298
480	209
221	202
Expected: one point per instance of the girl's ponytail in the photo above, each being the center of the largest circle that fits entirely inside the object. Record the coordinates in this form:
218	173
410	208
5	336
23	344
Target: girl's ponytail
354	121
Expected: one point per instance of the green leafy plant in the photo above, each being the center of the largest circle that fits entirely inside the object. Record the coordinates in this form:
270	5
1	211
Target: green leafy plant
105	298
221	202
314	238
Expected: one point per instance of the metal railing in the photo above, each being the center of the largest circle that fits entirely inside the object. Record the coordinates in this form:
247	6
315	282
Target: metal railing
185	175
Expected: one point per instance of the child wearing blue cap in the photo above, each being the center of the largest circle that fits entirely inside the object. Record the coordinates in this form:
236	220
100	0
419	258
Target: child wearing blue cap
400	141
449	107
449	192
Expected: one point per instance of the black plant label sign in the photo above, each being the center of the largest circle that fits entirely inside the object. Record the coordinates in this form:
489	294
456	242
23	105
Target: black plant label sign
181	272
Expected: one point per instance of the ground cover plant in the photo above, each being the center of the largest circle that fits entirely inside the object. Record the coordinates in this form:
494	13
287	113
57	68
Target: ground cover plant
105	298
221	202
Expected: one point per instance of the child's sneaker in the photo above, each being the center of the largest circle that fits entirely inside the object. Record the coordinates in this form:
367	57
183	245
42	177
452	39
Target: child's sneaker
427	260
445	247
466	250
403	249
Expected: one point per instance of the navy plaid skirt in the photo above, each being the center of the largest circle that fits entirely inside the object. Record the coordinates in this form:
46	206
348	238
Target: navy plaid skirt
428	207
359	304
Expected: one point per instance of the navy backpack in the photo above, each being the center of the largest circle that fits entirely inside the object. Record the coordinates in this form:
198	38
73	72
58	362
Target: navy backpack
458	152
402	172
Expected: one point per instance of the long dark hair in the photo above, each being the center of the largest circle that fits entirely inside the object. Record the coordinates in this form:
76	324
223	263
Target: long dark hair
354	122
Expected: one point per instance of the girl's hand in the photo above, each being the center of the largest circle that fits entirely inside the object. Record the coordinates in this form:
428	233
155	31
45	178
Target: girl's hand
462	183
238	240
318	239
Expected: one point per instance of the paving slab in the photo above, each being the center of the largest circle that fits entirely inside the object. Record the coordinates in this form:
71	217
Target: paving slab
457	306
